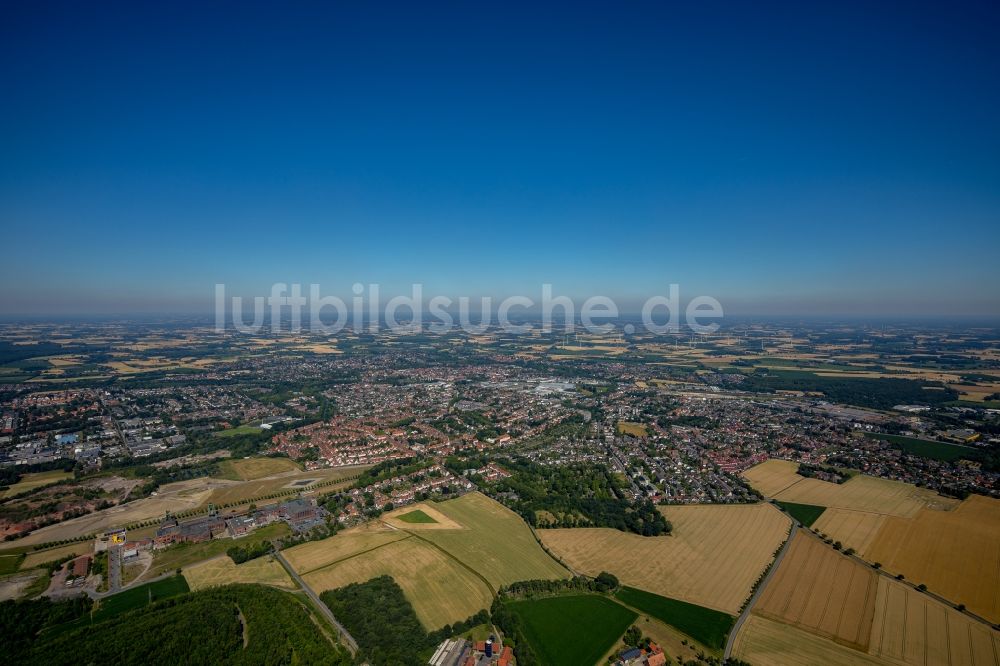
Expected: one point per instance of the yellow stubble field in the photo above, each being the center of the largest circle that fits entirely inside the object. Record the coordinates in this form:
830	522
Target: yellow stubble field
778	479
822	591
713	558
440	589
912	628
765	641
955	553
854	529
222	571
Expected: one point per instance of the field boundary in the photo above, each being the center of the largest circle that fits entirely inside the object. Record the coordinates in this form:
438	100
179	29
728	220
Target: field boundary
489	586
353	555
728	652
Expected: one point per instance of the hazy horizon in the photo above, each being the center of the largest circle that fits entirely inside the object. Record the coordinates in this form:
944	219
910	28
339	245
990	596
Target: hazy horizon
812	161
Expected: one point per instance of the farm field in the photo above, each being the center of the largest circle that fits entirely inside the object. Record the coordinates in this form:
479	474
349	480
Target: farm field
36	480
778	479
33	559
713	558
854	529
432	518
708	627
572	630
249	469
912	628
222	571
494	542
928	448
765	641
955	553
440	589
129	600
318	554
817	589
9	564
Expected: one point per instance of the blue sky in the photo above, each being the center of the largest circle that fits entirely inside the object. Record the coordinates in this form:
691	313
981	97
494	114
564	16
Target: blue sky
795	158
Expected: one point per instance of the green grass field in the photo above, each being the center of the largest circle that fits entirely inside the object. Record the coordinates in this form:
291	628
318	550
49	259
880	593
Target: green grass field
10	563
926	448
123	602
245	429
137	597
573	630
417	516
707	626
807	514
36	480
497	544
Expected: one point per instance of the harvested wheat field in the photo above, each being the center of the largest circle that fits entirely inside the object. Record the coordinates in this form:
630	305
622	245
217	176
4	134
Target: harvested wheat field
956	554
318	554
854	529
819	590
494	541
222	571
441	590
713	558
777	479
912	628
764	641
40	557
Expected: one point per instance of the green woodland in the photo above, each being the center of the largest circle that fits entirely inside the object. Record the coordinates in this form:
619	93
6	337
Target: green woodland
235	624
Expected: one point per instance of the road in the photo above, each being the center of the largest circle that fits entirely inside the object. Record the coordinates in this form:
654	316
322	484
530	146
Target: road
345	635
114	569
756	595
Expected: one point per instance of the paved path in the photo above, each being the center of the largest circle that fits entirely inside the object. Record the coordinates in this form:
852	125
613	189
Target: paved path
756	595
114	569
345	635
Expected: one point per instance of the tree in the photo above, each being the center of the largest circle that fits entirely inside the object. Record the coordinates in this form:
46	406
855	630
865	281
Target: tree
606	581
633	636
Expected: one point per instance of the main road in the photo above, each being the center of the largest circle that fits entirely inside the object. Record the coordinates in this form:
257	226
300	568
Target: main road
345	635
756	595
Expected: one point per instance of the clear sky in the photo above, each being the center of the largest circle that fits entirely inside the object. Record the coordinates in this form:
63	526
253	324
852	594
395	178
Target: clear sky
800	157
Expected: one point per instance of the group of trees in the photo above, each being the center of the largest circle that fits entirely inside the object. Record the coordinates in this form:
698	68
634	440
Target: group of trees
881	393
603	583
578	489
241	554
383	622
513	630
205	627
20	622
